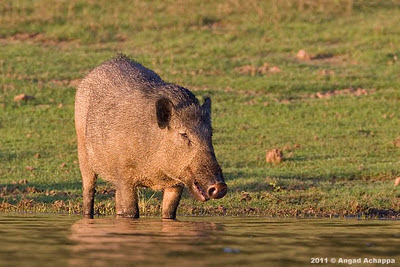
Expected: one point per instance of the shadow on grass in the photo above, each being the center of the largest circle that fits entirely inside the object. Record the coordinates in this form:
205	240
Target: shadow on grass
39	192
68	191
259	181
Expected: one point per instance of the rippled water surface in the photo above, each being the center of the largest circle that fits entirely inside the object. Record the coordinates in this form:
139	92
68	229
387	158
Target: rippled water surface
61	240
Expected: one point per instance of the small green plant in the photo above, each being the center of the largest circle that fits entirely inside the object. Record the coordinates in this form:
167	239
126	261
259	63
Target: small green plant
275	187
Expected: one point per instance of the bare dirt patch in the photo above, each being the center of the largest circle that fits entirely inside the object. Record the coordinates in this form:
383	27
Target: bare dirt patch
24	37
17	190
396	142
351	92
347	91
253	70
23	181
39	38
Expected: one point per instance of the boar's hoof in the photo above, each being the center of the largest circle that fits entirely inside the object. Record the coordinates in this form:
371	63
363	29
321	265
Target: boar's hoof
217	191
88	216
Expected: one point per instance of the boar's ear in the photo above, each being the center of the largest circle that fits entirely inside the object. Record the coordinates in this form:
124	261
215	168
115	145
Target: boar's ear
207	104
164	112
207	107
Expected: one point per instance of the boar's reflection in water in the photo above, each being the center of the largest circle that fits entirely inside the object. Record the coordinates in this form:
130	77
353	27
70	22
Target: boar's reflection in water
102	241
133	129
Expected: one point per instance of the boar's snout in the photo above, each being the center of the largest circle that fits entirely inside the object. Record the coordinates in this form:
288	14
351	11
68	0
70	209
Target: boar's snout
217	190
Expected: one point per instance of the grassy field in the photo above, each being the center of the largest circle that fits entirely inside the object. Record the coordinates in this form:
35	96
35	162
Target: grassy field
335	113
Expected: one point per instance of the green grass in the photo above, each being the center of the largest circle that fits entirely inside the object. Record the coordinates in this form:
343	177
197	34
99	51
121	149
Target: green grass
346	162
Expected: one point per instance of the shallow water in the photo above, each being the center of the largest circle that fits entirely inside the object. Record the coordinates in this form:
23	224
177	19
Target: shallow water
62	240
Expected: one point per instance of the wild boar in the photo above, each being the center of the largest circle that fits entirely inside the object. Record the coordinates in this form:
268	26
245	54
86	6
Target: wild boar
135	130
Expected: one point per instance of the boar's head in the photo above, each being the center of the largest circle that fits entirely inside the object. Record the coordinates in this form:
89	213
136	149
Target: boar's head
186	152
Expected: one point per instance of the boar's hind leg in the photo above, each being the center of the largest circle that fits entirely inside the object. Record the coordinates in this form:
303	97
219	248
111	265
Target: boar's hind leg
171	200
89	183
126	201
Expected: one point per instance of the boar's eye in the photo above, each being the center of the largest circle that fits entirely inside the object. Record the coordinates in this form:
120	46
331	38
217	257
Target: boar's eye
185	138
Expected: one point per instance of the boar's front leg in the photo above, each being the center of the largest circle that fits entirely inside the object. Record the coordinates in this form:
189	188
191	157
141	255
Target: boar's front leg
171	198
126	201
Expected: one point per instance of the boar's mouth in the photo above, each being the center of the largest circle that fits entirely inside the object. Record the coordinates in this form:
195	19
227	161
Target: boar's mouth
198	192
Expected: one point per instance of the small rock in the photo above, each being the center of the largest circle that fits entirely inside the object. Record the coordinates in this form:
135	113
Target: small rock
274	156
23	181
303	55
23	97
63	165
30	168
397	181
245	197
